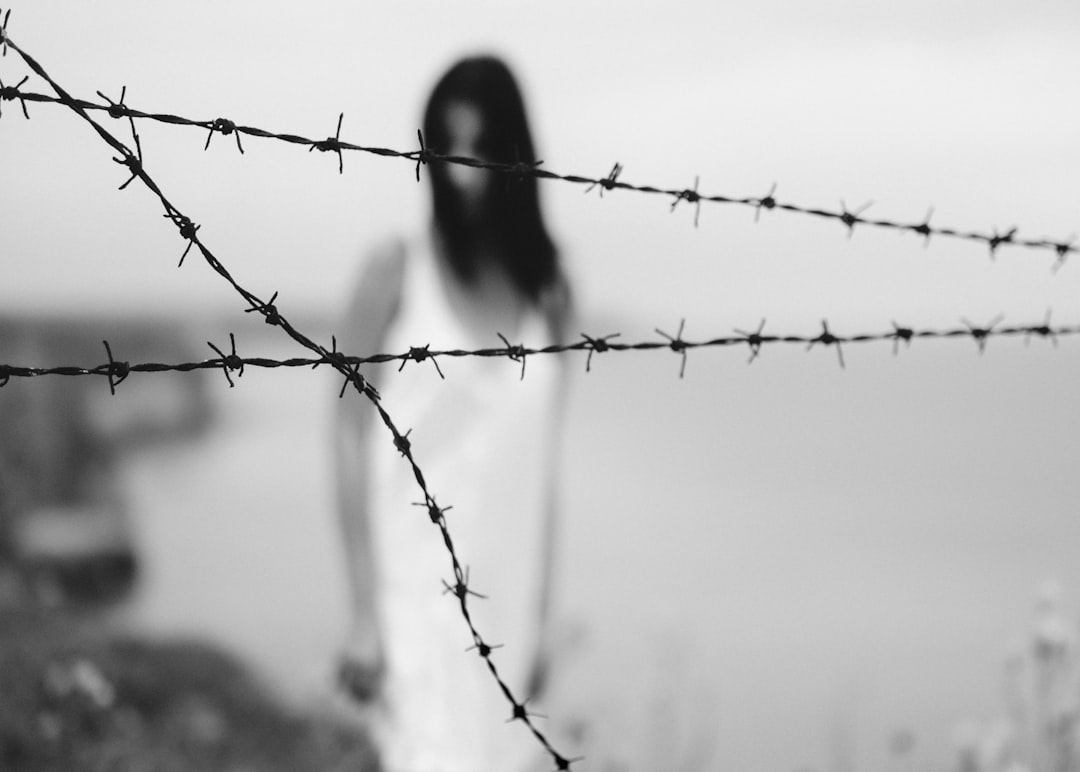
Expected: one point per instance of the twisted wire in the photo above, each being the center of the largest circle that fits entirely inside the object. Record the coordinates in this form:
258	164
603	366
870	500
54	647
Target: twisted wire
424	155
117	370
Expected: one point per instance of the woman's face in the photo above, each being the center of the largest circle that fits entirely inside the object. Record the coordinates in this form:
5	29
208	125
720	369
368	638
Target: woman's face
465	128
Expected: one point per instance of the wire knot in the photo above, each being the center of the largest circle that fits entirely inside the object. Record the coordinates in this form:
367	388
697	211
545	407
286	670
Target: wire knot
596	345
11	93
904	334
826	338
229	362
484	649
225	127
332	145
117	109
401	442
420	354
519	170
767	202
998	239
435	512
268	310
677	344
609	182
851	219
516	353
1063	248
981	334
188	231
116	371
460	588
423	155
754	340
690	195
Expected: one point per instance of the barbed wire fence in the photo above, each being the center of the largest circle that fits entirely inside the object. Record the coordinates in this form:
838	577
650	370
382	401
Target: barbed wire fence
850	219
230	362
118	370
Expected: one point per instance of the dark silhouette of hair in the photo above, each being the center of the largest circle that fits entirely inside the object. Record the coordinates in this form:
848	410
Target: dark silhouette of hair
511	227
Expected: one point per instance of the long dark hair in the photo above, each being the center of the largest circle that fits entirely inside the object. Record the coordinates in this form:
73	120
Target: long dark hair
511	224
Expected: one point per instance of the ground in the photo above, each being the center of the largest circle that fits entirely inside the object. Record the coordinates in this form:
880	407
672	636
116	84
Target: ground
74	696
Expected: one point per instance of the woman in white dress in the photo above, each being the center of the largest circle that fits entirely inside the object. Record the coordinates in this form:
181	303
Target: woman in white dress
485	437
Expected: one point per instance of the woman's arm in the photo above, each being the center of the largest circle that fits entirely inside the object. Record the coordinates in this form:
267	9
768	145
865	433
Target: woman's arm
558	308
370	312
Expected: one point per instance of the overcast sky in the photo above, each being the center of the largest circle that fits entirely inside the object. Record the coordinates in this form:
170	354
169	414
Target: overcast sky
965	107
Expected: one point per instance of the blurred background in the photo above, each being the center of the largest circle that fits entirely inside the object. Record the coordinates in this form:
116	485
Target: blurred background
780	566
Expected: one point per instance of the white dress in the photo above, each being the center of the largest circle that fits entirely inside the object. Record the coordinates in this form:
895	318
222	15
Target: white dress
483	437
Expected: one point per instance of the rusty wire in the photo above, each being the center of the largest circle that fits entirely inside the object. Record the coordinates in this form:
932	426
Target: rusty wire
1062	248
118	371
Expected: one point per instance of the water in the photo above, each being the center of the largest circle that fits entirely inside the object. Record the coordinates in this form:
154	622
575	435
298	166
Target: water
771	567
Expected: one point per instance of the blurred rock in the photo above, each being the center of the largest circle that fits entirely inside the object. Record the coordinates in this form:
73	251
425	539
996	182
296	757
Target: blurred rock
64	531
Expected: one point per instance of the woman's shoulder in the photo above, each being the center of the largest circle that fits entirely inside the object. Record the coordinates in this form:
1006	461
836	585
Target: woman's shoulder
556	303
385	260
377	291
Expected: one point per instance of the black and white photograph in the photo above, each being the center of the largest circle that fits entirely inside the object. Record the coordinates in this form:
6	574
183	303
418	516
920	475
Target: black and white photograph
499	386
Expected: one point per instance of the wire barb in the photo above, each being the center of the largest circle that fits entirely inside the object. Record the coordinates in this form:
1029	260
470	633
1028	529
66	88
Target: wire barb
596	345
826	338
1043	330
692	196
609	182
519	712
677	344
460	589
924	228
980	334
901	334
225	127
484	649
329	145
351	371
268	310
753	340
419	354
436	514
11	93
515	353
767	202
229	361
116	371
133	161
188	231
998	239
851	219
423	155
1063	248
520	170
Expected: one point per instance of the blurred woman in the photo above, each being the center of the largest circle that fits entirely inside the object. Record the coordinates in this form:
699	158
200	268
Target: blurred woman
485	437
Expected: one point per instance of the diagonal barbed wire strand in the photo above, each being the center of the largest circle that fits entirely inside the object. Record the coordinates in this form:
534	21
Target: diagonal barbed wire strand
460	588
118	370
1063	248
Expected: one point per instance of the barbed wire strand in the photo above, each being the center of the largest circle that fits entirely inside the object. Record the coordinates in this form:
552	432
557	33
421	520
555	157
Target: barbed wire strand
116	371
424	155
133	161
